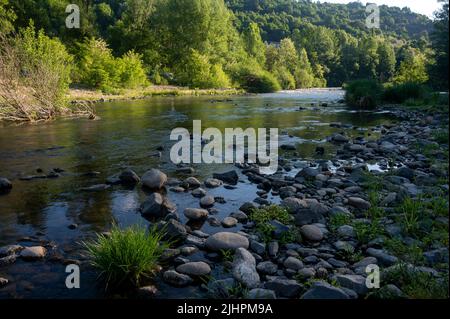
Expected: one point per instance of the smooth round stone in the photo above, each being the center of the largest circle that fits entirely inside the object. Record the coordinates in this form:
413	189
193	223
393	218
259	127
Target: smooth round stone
229	222
311	233
207	201
192	182
213	183
195	213
226	240
293	263
35	252
196	268
154	179
198	192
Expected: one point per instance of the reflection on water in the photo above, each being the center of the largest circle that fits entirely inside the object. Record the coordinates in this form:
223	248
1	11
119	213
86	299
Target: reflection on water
128	135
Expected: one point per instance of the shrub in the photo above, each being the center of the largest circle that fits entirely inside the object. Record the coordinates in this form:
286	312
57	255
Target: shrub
196	71
125	257
285	78
132	73
98	68
253	79
262	217
363	93
34	76
402	92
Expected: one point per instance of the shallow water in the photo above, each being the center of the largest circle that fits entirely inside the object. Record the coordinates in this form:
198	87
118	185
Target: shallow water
127	134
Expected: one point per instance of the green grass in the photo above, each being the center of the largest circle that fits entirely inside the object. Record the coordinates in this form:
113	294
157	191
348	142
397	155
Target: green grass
127	256
410	214
418	285
441	136
367	232
262	217
339	220
409	253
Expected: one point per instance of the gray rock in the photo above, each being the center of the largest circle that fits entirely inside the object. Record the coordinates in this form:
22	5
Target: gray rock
307	273
308	173
267	268
207	201
195	240
196	213
147	292
339	138
156	206
284	287
174	230
260	293
226	240
382	256
229	222
257	247
244	268
294	204
240	216
31	253
273	248
356	283
359	203
154	179
129	177
198	192
434	256
339	210
248	207
346	231
176	279
323	290
293	263
213	183
311	233
197	268
230	177
192	182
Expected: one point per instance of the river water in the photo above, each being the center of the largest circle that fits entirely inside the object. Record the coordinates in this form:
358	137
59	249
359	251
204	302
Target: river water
129	134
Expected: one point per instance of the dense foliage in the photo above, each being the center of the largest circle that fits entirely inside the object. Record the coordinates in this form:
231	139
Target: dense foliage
259	45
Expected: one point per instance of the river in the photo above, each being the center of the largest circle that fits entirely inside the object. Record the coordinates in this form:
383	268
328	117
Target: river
131	134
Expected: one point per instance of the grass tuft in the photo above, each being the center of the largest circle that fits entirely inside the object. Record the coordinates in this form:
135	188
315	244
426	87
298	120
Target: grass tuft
126	257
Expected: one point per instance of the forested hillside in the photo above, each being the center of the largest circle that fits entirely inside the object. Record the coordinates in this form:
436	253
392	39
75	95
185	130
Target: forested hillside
257	45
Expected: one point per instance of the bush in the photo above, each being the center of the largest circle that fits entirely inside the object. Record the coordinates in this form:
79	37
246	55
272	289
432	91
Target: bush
34	76
98	68
125	257
196	71
285	78
403	92
363	93
253	79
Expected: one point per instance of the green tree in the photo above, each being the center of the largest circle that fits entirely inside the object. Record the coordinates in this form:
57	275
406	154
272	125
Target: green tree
412	69
387	61
440	45
7	17
254	45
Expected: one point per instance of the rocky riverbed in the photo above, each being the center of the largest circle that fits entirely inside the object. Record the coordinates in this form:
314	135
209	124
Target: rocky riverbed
379	201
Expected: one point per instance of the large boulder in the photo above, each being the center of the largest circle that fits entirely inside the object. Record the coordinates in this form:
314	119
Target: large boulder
226	240
154	179
129	177
244	268
156	206
230	177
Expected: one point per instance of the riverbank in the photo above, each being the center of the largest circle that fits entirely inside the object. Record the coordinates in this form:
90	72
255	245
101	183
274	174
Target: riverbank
77	96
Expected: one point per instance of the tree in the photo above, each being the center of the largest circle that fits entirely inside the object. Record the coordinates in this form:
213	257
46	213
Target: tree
7	17
253	43
412	69
386	61
440	45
